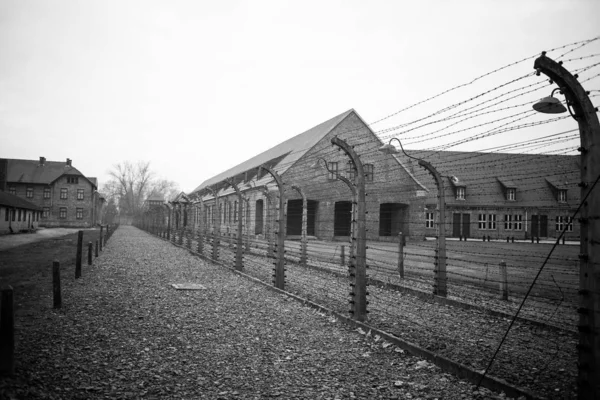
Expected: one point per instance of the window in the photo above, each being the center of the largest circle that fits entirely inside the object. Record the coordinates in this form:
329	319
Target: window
429	221
45	212
79	194
62	213
460	193
12	190
508	221
64	193
72	179
518	222
29	193
369	172
79	213
350	171
229	211
482	221
561	222
562	196
333	170
46	193
235	211
492	221
511	194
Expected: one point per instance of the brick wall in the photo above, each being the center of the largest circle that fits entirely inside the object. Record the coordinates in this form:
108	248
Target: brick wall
55	203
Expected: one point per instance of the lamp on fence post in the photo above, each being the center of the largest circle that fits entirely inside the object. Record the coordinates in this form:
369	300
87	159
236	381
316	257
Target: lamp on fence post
439	286
359	294
280	265
238	251
581	109
303	243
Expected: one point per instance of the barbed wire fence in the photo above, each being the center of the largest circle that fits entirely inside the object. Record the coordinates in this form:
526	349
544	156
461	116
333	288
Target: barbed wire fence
503	316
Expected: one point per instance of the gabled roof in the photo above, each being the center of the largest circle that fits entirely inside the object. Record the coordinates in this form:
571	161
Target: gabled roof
11	200
284	154
487	175
31	171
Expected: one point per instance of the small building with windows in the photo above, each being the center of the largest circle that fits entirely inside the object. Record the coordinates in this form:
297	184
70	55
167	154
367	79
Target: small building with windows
17	214
395	197
64	195
502	195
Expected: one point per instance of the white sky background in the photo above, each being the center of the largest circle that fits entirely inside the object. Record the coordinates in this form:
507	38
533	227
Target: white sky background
197	87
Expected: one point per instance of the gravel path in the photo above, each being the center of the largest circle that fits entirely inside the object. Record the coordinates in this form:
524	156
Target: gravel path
125	333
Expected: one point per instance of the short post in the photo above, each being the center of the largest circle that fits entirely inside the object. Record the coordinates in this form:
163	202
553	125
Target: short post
401	254
512	239
100	238
538	239
564	239
79	254
96	250
532	239
503	281
507	239
343	255
89	253
7	333
56	284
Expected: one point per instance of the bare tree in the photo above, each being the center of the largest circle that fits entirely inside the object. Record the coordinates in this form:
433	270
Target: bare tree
129	184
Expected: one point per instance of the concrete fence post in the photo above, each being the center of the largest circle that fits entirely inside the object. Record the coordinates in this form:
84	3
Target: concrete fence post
89	253
343	255
96	249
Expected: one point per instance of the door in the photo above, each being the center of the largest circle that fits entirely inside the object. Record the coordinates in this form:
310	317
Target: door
534	226
466	225
258	219
342	218
455	225
543	226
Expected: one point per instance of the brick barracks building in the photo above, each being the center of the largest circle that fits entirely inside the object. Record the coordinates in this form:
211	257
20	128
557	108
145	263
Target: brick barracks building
65	196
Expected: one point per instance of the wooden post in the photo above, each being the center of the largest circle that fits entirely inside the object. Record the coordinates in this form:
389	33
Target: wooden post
56	284
7	332
303	239
89	253
101	236
401	254
503	281
96	250
79	254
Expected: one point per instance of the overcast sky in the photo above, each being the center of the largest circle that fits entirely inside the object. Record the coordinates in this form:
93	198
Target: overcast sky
197	87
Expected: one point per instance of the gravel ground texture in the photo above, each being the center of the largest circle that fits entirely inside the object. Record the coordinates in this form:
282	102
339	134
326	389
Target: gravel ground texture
539	359
125	333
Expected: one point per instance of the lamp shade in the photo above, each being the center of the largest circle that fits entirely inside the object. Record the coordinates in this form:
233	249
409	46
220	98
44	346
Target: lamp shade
388	149
549	105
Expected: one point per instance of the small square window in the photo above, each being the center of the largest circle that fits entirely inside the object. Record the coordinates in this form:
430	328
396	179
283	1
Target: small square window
460	193
12	190
562	196
511	194
429	220
79	194
62	213
64	193
45	212
29	193
482	221
79	213
492	221
46	193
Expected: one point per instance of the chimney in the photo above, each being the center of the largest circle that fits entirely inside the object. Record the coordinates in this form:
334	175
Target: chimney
42	160
68	162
